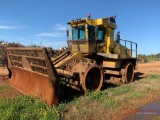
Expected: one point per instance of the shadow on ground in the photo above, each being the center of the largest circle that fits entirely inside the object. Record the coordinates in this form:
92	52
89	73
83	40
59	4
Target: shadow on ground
138	76
67	94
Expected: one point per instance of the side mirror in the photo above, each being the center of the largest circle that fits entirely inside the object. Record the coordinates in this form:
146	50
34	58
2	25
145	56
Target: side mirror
67	32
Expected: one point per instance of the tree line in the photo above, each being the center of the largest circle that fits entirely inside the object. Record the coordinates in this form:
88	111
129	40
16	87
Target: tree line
151	57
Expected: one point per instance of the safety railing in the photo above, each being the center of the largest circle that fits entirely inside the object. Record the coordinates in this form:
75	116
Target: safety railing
129	45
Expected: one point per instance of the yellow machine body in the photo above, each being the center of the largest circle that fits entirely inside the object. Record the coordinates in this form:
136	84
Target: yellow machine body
106	44
93	52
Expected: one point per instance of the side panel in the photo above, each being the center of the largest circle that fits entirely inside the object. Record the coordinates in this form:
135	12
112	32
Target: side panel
83	46
112	64
78	45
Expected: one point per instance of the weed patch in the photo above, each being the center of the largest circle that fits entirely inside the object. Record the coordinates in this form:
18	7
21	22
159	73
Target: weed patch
73	105
148	89
24	108
111	103
5	87
136	94
154	77
121	90
95	96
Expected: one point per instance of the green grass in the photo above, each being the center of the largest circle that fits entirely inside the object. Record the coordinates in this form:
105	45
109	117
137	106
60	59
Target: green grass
136	94
102	98
152	59
154	77
5	87
83	107
91	105
26	108
111	103
121	90
94	96
148	89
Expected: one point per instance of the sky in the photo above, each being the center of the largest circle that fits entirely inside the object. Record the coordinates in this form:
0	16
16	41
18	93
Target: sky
44	22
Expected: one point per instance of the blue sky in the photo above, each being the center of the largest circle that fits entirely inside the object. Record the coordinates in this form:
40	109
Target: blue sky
43	22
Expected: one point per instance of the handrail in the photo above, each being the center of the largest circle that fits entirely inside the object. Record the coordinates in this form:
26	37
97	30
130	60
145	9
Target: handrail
131	46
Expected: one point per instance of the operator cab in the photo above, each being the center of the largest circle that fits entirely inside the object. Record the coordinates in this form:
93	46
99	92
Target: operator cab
87	35
79	32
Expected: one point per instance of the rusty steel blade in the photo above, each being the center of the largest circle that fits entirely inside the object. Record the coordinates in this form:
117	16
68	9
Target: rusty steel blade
33	73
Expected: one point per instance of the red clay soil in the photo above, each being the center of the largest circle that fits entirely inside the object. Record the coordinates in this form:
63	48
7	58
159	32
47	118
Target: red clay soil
3	71
3	75
6	91
143	71
129	113
149	68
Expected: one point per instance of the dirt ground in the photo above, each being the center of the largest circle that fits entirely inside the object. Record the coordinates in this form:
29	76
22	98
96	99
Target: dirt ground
3	75
144	69
6	91
149	68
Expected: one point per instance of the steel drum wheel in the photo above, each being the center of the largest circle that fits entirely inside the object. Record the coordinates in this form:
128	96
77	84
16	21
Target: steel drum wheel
92	79
129	73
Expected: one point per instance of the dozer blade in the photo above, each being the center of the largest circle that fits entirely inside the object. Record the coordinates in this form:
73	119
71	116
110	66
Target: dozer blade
33	73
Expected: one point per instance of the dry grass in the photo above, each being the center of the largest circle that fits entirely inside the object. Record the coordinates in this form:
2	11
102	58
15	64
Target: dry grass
111	103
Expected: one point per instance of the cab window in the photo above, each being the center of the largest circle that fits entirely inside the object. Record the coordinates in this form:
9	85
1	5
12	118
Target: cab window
78	32
101	33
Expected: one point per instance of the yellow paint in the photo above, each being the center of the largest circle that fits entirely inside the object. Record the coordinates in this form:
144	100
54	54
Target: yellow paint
109	41
99	21
112	64
81	47
109	46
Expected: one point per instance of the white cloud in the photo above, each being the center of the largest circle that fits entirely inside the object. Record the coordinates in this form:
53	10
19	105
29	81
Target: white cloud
11	27
54	44
46	42
7	27
8	22
60	27
57	31
50	34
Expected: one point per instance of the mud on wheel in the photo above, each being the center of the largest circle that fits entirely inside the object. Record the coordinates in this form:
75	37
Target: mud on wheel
92	79
128	73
